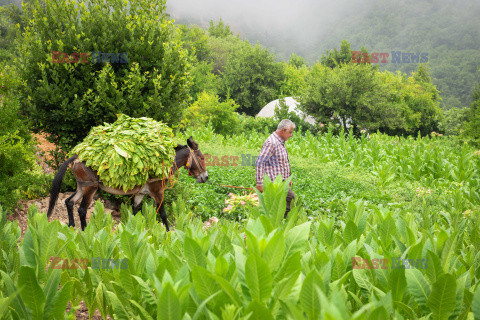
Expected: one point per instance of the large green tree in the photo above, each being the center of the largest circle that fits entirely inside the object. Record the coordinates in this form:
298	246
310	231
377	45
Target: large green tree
69	97
360	95
251	78
342	95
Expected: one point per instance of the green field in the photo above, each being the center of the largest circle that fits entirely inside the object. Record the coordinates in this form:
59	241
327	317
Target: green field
384	228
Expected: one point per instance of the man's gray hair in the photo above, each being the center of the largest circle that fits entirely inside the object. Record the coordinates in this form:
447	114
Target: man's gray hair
285	124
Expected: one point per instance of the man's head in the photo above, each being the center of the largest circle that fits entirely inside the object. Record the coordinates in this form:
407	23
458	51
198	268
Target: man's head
285	129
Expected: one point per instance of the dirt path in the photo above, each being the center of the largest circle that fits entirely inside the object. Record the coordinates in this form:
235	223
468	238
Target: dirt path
60	211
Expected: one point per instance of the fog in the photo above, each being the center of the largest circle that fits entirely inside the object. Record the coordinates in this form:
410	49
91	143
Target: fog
309	27
298	25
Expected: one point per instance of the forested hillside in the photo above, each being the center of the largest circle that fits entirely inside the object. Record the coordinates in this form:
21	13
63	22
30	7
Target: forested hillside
448	31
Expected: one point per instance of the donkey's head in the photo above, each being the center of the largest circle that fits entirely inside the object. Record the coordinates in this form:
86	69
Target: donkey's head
192	158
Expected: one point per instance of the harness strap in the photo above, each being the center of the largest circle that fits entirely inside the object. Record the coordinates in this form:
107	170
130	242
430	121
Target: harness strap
92	175
87	183
195	159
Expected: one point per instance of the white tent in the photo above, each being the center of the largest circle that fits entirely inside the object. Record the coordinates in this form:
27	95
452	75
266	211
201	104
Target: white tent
269	110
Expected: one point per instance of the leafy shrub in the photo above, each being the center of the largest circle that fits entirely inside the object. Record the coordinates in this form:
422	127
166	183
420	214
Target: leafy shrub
67	99
207	109
20	176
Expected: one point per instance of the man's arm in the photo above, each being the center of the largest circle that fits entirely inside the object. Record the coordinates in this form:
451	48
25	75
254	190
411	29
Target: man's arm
267	151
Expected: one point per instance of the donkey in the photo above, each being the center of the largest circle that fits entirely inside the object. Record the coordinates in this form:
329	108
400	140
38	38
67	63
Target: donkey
88	182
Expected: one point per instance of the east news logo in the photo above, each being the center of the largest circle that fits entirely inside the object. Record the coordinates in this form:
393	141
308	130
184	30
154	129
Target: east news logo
397	57
86	57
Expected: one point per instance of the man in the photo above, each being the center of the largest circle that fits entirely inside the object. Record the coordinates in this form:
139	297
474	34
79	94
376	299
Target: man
273	158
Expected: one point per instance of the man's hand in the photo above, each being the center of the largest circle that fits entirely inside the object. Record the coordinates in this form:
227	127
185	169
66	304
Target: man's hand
291	183
260	188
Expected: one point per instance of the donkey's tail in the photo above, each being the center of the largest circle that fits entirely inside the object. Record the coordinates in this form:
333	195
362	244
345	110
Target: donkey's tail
57	182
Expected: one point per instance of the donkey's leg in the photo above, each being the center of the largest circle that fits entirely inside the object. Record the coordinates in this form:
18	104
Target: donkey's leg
156	190
70	202
137	202
158	197
163	215
88	193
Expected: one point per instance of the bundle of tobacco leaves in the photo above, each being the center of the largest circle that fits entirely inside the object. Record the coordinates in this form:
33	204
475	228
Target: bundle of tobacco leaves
129	151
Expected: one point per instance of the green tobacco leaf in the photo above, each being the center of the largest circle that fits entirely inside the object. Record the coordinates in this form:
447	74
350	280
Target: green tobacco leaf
128	283
379	313
127	240
273	199
283	289
290	266
309	299
388	228
459	296
100	299
146	292
51	289
259	311
12	291
297	238
434	270
61	300
121	152
194	253
221	266
338	269
417	286
29	248
203	283
117	306
351	232
203	305
168	305
5	304
274	251
476	304
397	283
258	278
442	300
227	289
361	278
32	294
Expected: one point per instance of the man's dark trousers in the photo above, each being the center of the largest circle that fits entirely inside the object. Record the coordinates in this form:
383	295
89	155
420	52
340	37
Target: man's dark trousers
290	197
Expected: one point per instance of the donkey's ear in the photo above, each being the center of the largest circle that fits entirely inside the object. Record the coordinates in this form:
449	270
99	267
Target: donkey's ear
179	147
192	144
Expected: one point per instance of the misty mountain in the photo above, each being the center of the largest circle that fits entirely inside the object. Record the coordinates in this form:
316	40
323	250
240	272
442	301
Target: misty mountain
446	31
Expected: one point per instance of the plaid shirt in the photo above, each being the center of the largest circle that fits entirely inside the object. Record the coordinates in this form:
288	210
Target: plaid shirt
272	160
